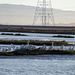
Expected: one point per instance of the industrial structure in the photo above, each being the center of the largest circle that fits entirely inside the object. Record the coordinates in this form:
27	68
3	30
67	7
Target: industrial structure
44	13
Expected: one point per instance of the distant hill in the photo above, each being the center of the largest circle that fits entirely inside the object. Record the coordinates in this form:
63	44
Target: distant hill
20	14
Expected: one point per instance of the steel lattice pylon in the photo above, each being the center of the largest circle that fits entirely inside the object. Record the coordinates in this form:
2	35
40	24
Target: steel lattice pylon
44	13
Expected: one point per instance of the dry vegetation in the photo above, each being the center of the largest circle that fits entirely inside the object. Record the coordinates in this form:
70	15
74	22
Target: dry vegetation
31	30
36	42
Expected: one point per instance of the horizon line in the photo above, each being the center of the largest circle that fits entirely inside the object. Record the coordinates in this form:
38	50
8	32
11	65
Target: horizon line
32	6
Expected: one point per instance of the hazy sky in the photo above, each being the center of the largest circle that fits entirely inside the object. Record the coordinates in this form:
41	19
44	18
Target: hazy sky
59	4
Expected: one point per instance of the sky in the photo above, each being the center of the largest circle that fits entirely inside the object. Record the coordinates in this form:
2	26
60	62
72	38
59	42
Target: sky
58	4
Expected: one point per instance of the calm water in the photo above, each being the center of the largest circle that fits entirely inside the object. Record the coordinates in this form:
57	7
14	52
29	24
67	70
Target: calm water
37	36
38	65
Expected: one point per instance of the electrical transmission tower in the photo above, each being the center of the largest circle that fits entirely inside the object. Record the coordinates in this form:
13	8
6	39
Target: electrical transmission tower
44	13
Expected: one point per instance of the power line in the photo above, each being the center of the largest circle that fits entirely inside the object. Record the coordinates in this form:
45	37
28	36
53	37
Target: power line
44	13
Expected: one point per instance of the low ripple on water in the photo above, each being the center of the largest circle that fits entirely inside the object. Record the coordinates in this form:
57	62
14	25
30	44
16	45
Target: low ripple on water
37	65
37	36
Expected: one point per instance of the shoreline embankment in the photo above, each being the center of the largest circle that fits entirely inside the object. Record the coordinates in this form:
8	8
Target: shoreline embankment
37	52
39	30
